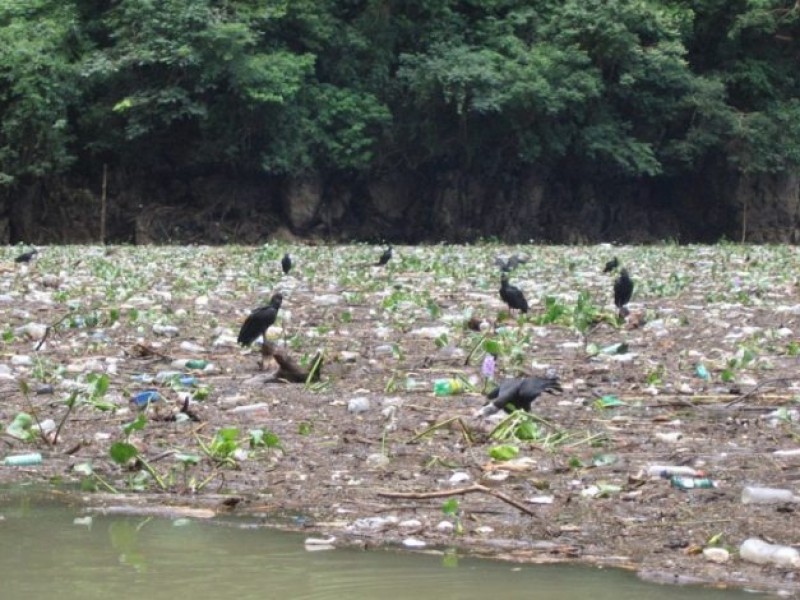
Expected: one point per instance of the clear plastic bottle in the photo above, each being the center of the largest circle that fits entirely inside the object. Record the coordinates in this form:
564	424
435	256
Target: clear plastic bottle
762	553
764	495
667	471
23	460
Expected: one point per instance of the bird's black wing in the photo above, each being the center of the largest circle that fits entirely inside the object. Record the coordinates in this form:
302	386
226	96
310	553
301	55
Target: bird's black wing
516	299
256	323
623	290
506	392
533	387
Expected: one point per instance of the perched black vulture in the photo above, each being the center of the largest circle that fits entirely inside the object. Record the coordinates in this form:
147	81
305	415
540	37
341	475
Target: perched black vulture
509	265
385	257
286	263
518	393
512	295
27	256
623	290
611	265
258	321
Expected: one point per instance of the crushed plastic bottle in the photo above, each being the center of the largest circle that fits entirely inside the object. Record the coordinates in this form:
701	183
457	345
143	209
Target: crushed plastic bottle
448	387
691	483
144	399
165	376
762	553
701	371
188	380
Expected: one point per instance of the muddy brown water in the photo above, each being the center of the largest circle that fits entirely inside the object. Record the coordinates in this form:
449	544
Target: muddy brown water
48	549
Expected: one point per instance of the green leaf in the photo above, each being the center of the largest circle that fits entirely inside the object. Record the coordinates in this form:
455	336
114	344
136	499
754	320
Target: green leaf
575	463
528	430
267	439
256	438
122	452
136	425
492	347
503	452
450	507
187	459
98	384
226	442
20	427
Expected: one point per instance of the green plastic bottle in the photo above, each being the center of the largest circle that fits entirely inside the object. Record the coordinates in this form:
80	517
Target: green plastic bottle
683	482
448	387
196	363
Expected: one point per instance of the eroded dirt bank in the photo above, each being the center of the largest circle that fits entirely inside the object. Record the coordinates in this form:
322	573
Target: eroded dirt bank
351	446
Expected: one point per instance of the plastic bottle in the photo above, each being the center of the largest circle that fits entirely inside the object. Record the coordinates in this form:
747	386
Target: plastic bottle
196	363
764	495
667	471
762	553
448	387
165	376
143	399
691	483
23	460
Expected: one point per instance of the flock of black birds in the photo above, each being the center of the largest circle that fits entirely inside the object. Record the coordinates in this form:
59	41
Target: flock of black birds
520	392
510	394
517	393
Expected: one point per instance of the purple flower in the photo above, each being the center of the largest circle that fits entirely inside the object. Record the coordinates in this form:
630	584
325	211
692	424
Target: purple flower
487	368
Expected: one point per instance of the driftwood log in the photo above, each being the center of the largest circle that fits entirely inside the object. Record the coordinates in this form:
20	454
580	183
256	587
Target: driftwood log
288	369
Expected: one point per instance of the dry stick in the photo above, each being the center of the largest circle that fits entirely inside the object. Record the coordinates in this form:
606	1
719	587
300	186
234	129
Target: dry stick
474	349
458	492
70	405
52	327
436	426
756	388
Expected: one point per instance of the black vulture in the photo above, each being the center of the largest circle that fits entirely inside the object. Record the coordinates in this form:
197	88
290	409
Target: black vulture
611	265
518	393
623	290
385	257
509	265
27	256
286	263
512	295
258	321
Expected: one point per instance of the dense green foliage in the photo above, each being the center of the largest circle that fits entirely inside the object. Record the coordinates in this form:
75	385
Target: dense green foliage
605	88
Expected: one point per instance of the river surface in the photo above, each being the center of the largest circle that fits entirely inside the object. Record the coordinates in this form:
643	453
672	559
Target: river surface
61	553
